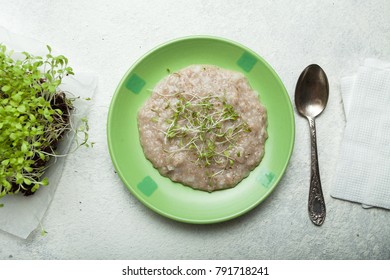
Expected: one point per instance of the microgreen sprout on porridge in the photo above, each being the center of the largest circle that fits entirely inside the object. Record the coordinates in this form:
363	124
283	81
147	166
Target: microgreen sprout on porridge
204	127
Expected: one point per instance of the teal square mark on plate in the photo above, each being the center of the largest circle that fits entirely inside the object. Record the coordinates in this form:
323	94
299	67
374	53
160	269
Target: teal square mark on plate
147	186
247	61
266	179
135	83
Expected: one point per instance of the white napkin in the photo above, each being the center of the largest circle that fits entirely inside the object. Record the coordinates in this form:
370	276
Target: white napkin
363	171
21	215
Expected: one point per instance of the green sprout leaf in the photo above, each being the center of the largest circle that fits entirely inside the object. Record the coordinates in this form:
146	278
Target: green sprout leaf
5	88
45	181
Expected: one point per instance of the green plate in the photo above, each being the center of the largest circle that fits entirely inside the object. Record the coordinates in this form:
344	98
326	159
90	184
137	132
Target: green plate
175	200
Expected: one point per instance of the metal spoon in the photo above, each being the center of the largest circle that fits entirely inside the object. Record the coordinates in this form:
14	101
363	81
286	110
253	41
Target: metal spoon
311	97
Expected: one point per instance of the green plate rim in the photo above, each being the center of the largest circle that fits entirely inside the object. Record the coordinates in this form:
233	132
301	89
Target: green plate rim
226	217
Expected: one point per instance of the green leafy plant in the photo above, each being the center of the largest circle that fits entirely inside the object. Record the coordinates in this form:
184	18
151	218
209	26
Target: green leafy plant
34	117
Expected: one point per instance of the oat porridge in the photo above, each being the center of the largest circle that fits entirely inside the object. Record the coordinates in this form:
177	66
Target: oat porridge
204	127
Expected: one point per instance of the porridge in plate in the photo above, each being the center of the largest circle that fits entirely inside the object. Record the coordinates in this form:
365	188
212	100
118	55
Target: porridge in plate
203	126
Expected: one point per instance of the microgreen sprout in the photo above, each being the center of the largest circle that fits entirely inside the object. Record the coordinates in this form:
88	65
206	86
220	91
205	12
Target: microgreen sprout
207	125
34	116
43	231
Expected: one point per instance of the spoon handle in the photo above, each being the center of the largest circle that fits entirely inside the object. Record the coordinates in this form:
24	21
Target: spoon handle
317	211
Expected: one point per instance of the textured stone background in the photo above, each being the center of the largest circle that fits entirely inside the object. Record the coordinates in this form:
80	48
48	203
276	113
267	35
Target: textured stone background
93	216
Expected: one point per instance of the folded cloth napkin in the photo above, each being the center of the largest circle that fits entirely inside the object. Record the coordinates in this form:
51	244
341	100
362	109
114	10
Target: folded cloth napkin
363	171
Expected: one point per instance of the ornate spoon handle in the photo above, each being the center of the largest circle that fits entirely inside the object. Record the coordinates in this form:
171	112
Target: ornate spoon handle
317	211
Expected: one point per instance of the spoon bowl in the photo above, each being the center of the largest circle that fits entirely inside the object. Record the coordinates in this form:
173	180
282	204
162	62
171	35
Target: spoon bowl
312	91
311	97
